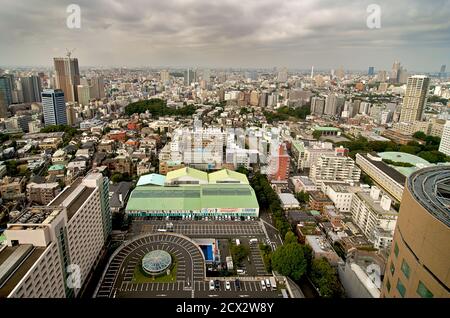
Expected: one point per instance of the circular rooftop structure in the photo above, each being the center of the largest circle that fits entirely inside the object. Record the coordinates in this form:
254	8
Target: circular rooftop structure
403	157
156	262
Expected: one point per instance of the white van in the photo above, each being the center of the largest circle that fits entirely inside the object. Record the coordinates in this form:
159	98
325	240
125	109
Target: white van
253	241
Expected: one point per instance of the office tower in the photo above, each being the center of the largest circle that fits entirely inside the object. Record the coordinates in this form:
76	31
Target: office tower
189	77
46	244
282	76
415	98
442	73
97	87
7	87
3	105
317	106
395	70
371	71
402	76
312	72
165	76
444	146
382	76
54	107
83	92
419	261
334	104
254	98
263	99
67	77
31	88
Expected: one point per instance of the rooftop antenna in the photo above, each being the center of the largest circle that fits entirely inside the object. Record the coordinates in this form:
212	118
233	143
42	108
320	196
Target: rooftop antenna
69	53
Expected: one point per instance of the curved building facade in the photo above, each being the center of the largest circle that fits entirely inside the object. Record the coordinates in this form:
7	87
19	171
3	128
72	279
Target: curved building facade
419	262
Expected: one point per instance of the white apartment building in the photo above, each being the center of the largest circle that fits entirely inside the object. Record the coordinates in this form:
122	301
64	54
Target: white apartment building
374	216
49	248
306	153
334	168
385	176
444	146
340	194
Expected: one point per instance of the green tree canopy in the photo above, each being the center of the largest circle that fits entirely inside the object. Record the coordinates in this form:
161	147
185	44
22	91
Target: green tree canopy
325	278
289	260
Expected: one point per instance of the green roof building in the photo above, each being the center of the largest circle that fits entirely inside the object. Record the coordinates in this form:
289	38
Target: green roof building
208	200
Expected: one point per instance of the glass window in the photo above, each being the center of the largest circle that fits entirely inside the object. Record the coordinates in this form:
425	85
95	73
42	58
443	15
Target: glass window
401	288
396	249
392	268
405	268
423	291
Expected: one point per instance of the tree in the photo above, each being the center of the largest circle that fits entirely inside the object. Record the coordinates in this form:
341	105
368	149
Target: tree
239	253
289	260
302	197
290	237
325	278
419	135
317	134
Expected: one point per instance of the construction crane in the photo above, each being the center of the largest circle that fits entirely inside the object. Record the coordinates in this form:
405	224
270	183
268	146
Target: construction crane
69	53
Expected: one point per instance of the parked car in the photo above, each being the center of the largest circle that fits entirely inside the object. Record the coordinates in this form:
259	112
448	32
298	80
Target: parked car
238	284
217	284
263	284
211	285
227	285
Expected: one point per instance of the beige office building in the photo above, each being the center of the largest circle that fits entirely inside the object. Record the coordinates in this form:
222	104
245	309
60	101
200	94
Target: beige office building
67	77
419	262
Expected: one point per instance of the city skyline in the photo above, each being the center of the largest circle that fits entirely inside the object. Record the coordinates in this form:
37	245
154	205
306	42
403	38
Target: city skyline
294	34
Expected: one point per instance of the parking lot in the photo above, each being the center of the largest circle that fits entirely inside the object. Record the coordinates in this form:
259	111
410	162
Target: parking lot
199	228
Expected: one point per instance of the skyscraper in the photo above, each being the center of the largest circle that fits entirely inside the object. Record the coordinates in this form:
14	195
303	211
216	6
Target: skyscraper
67	77
415	98
83	92
371	71
97	89
442	73
282	76
7	86
31	88
54	107
3	106
189	76
419	263
165	76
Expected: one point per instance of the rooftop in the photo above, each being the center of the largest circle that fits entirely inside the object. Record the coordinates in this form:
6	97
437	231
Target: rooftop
391	172
153	198
431	188
151	179
191	172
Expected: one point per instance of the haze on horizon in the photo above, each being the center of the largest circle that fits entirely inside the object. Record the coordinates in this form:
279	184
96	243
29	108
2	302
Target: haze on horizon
228	33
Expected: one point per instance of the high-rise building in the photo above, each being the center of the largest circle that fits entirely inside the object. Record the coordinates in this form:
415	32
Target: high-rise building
3	105
334	104
83	95
415	98
71	115
419	263
31	88
97	88
54	107
165	76
282	76
317	106
340	73
67	77
442	73
7	87
189	77
444	146
371	71
46	244
278	168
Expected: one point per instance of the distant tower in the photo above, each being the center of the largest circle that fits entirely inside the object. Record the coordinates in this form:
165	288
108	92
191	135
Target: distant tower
312	72
415	98
67	76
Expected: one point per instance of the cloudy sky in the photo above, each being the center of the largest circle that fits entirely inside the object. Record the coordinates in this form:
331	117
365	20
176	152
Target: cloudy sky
228	33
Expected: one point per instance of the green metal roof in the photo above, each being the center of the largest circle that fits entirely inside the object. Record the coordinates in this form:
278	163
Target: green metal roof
153	179
300	146
153	198
56	167
403	157
319	128
224	174
191	172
